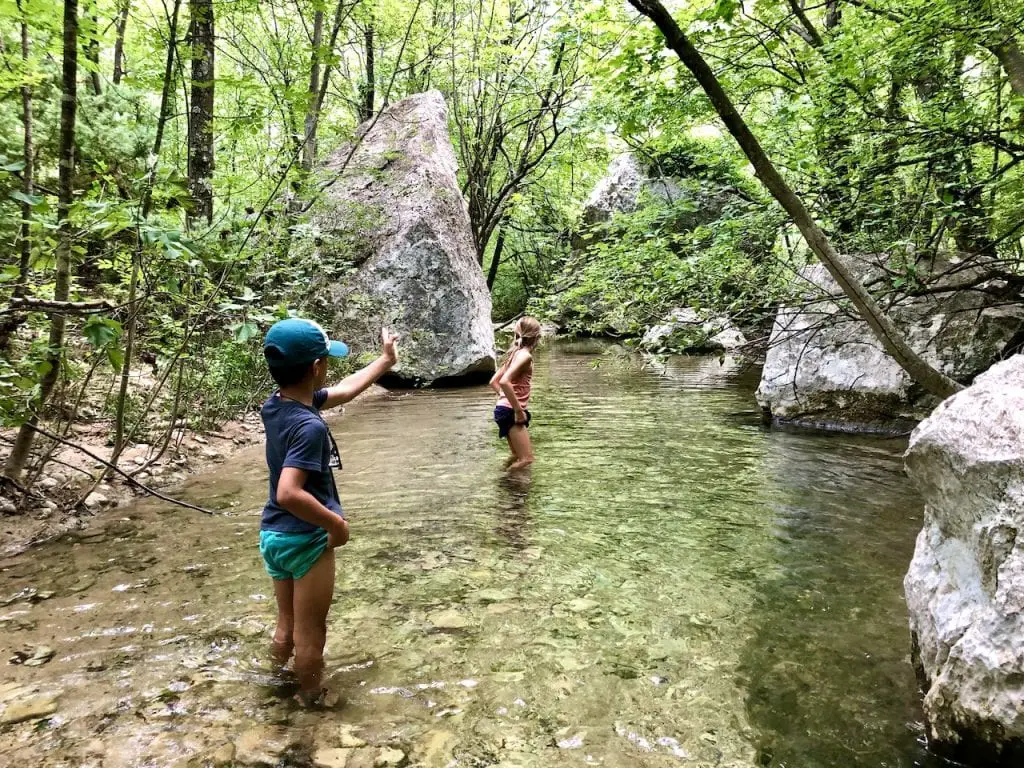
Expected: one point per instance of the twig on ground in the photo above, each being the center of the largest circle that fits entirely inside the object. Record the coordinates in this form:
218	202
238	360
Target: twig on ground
131	480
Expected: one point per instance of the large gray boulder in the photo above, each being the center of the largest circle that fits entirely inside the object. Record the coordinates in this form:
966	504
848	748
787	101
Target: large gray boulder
687	330
825	368
394	238
965	586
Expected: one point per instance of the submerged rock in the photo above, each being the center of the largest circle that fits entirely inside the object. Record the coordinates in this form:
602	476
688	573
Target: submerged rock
965	586
825	368
687	330
264	745
29	708
393	237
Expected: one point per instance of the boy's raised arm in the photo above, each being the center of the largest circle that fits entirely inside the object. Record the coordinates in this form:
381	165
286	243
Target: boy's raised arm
350	386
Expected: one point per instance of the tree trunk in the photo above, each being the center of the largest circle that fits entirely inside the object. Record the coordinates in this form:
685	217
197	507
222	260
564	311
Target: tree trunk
1010	56
15	319
492	272
833	14
92	50
122	24
200	130
368	93
312	111
147	199
892	340
62	279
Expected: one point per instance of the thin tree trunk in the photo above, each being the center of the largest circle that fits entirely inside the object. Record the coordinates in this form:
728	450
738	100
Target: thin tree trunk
15	319
92	50
492	272
1012	59
892	340
200	139
122	25
309	145
147	198
62	279
369	89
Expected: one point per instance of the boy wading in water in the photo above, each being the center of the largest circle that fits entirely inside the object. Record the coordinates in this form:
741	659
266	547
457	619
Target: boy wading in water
512	383
302	520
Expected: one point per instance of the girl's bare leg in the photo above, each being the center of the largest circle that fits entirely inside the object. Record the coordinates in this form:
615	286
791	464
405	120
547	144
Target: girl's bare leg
512	450
313	593
519	443
282	645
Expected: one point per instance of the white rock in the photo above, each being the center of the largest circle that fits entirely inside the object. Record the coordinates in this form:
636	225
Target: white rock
95	500
965	586
825	368
396	216
689	330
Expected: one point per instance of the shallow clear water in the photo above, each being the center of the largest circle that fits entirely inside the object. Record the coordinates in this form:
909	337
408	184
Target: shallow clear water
669	585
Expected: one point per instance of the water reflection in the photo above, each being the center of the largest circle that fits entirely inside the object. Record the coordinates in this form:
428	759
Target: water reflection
514	524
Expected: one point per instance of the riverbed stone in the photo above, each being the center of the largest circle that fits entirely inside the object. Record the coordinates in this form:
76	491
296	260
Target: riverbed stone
826	369
965	585
331	758
32	707
394	243
389	756
687	330
223	756
448	619
264	745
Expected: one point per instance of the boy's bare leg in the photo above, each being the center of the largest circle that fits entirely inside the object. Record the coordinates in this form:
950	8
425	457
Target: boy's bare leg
519	442
312	599
282	645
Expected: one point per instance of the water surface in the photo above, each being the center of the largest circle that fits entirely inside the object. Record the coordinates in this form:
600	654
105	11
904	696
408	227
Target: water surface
670	585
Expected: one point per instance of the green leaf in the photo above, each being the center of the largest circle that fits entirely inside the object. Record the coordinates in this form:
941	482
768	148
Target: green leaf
244	331
21	197
17	165
102	332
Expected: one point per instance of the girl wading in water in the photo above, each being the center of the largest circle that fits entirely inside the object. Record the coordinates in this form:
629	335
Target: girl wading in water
512	383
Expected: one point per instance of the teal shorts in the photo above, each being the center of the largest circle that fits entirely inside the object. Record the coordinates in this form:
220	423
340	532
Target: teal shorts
291	555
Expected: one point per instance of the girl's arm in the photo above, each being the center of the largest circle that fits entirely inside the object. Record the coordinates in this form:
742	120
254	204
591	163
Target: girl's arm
519	363
495	382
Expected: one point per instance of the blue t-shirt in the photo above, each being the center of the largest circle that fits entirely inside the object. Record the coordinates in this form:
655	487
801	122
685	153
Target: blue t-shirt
297	437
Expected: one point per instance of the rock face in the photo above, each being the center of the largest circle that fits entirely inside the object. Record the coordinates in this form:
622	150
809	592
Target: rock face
965	586
686	330
627	185
395	242
825	368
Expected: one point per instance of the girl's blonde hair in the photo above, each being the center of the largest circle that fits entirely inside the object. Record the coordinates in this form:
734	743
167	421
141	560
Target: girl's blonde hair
528	329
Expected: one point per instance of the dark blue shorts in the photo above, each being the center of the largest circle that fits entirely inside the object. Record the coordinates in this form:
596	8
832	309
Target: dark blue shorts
505	418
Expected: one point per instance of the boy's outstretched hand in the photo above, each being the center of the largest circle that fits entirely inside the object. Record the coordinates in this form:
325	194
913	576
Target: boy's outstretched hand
388	341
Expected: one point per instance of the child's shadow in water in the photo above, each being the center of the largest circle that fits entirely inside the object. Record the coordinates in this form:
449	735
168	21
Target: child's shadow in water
514	524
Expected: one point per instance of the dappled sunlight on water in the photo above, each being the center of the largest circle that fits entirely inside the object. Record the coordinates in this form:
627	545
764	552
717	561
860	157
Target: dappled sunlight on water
670	585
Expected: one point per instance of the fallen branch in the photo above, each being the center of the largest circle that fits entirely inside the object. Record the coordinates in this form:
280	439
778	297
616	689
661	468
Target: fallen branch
27	304
131	480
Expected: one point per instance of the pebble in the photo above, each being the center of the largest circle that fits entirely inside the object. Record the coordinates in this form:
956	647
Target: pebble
390	756
224	756
583	605
7	507
32	708
450	619
263	745
95	500
331	758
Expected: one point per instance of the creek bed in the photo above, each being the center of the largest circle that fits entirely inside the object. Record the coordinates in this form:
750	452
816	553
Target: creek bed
669	585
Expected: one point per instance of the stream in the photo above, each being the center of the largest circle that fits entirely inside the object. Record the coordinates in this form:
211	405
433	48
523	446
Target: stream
669	585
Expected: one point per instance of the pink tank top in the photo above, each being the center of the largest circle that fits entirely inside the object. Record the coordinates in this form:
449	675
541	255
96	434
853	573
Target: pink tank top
521	386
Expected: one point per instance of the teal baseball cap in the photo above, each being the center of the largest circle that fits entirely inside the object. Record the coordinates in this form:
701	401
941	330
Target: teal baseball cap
297	341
